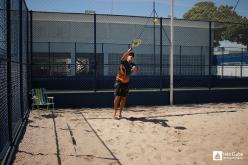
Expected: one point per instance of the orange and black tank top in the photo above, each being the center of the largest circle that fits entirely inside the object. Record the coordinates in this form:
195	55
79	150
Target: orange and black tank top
125	71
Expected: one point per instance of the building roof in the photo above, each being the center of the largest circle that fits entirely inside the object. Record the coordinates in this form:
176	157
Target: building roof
230	44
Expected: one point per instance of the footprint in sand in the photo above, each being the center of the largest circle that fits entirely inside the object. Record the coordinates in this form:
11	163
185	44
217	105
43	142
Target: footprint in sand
152	147
110	140
190	151
77	124
155	132
242	140
89	158
30	121
87	130
74	119
157	157
132	155
142	150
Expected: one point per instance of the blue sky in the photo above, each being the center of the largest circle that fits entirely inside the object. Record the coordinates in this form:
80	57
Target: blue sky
127	7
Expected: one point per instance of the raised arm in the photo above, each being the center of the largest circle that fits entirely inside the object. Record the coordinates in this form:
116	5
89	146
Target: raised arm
124	56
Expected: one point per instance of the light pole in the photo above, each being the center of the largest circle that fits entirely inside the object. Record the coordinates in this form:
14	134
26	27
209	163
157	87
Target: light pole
171	49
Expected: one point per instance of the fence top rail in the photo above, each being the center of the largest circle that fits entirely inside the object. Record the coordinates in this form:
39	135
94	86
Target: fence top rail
110	43
133	16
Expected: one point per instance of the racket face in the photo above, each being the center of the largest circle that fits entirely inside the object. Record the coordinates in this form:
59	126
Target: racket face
136	43
156	21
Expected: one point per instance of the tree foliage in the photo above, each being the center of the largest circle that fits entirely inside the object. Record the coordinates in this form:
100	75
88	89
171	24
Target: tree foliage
230	25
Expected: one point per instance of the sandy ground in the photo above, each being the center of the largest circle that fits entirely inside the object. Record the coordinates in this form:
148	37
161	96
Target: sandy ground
168	135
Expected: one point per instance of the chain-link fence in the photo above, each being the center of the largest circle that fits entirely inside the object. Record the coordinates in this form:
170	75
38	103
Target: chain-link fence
230	50
14	65
83	51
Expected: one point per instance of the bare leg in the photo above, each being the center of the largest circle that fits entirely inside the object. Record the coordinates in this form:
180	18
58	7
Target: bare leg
116	102
122	104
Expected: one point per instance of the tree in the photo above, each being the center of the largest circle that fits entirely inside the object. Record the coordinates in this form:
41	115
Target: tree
229	25
201	11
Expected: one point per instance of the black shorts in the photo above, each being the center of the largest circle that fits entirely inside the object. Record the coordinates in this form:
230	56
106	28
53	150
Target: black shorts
121	89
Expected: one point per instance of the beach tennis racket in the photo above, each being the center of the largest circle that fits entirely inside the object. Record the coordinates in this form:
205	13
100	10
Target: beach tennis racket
136	42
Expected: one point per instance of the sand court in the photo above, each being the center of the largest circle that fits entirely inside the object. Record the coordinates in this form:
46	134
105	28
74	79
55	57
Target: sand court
145	135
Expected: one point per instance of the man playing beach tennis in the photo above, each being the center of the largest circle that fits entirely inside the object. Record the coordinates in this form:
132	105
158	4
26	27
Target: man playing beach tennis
122	80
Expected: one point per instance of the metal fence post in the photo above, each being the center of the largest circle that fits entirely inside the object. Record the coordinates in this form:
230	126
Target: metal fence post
241	64
20	60
154	47
161	52
180	60
31	45
95	63
75	59
27	61
210	56
49	59
222	64
9	100
201	59
102	47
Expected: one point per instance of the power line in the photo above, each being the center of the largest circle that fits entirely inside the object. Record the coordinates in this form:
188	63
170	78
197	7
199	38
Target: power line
236	5
112	6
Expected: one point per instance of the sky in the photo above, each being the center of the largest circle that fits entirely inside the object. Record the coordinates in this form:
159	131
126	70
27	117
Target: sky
128	7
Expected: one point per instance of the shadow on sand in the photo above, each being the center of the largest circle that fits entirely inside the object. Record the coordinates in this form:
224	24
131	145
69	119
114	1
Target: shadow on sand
162	122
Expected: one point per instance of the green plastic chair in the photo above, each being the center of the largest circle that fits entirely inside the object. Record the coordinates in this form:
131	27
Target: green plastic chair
40	98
